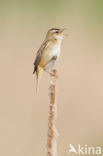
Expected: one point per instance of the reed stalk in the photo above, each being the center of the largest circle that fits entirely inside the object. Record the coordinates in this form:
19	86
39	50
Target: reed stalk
52	131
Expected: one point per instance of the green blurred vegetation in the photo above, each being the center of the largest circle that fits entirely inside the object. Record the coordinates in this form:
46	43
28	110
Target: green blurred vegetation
54	11
93	8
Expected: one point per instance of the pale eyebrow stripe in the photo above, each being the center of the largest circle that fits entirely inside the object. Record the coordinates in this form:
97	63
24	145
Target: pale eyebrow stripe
54	29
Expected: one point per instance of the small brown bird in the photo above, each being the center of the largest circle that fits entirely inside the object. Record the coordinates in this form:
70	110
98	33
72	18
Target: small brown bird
49	52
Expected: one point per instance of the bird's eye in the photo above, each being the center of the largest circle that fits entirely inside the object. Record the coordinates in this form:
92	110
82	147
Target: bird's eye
56	32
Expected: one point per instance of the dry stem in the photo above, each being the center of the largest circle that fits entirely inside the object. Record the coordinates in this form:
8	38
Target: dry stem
52	132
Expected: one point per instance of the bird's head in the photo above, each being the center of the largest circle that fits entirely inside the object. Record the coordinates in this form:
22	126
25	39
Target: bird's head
55	33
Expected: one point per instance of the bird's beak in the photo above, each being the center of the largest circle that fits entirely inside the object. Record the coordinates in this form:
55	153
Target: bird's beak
62	31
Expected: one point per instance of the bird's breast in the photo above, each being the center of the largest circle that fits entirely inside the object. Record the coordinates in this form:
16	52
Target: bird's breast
49	52
54	50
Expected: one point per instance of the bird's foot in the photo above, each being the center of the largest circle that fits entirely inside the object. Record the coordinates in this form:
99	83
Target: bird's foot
54	73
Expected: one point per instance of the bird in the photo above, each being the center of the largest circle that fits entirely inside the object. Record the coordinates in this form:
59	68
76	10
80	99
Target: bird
48	54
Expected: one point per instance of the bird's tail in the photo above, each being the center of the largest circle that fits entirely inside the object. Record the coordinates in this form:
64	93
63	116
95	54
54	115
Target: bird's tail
38	77
34	70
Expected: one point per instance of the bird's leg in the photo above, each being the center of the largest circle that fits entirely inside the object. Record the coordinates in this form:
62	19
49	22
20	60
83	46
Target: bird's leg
54	57
52	73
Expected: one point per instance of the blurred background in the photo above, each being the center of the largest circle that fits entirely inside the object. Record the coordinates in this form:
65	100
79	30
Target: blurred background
23	112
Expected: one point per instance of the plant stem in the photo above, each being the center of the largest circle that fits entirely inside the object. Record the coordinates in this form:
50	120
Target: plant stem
52	132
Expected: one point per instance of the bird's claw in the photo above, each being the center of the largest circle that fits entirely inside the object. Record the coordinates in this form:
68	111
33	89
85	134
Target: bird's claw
54	73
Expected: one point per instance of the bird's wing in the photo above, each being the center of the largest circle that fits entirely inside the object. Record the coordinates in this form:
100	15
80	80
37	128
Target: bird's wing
39	54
